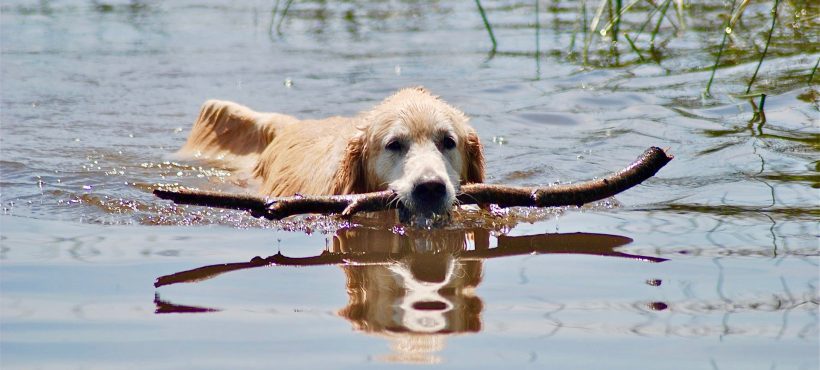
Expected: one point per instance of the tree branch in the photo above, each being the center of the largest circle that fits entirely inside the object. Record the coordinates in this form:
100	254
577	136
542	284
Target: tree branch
652	160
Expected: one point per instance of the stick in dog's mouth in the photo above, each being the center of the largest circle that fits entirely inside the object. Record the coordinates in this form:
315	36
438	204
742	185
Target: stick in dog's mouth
644	167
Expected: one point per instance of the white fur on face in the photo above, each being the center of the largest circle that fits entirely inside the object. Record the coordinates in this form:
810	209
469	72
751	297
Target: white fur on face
422	157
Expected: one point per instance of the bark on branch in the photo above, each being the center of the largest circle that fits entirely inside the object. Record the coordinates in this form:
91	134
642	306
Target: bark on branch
652	160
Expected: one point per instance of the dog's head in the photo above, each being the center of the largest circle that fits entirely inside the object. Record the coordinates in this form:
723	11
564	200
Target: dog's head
416	145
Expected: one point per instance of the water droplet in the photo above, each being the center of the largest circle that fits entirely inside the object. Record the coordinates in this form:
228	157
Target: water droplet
288	83
728	30
397	70
398	230
87	187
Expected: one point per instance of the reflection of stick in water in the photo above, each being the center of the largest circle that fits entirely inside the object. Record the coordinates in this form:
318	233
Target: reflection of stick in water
652	160
578	243
167	307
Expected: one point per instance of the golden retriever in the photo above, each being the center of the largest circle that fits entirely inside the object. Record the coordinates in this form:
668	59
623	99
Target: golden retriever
413	143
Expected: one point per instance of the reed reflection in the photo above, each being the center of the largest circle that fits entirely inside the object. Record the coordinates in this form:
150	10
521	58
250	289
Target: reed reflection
415	287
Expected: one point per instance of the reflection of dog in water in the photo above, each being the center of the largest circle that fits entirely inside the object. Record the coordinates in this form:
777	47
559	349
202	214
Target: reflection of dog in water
428	290
416	301
416	288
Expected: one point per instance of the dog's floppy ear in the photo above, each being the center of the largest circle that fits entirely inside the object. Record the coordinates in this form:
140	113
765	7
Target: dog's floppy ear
473	159
350	177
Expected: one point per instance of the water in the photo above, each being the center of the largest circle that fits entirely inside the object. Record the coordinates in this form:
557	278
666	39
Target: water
713	264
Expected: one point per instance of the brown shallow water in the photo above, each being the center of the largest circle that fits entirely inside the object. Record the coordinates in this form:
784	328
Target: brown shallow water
713	264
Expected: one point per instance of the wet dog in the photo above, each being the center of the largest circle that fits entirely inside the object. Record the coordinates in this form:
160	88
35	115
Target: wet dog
413	143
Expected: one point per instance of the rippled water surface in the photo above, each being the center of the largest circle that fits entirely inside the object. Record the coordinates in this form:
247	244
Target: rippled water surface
712	264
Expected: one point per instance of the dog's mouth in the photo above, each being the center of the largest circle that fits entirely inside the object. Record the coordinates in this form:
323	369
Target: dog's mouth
427	203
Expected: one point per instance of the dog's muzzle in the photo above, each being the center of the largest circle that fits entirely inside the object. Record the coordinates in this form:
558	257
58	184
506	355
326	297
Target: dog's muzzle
429	203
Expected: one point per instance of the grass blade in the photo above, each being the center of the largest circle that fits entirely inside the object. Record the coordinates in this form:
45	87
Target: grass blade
632	45
726	30
658	25
282	18
811	76
765	49
486	24
592	27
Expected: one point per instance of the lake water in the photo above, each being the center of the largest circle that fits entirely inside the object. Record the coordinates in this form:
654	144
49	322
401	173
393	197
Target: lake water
712	264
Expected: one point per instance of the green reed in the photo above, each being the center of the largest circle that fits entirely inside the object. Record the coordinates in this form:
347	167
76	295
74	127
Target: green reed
657	29
634	48
487	25
273	14
614	25
765	49
727	29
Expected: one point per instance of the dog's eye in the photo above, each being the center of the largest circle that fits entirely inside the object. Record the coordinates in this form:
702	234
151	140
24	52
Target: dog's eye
448	143
393	146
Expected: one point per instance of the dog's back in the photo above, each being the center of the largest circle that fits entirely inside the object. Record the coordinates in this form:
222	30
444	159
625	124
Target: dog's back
232	134
288	155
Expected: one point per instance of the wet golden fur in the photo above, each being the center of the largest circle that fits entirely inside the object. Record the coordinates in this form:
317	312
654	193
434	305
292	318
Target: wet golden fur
339	155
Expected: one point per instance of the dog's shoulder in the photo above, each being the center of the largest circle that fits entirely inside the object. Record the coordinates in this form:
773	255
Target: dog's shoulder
305	157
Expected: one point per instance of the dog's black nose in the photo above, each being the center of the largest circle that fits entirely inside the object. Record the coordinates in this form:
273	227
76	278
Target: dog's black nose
430	192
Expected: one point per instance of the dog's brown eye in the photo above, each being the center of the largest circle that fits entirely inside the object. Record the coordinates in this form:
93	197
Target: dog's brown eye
393	146
448	143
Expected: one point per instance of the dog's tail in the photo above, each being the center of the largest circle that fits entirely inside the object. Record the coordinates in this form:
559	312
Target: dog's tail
232	134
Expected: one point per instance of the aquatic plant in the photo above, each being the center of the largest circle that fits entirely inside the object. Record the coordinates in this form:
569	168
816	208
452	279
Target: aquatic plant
487	24
766	48
727	29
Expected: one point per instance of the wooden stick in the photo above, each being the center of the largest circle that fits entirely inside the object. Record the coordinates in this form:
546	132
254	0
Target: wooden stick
652	160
